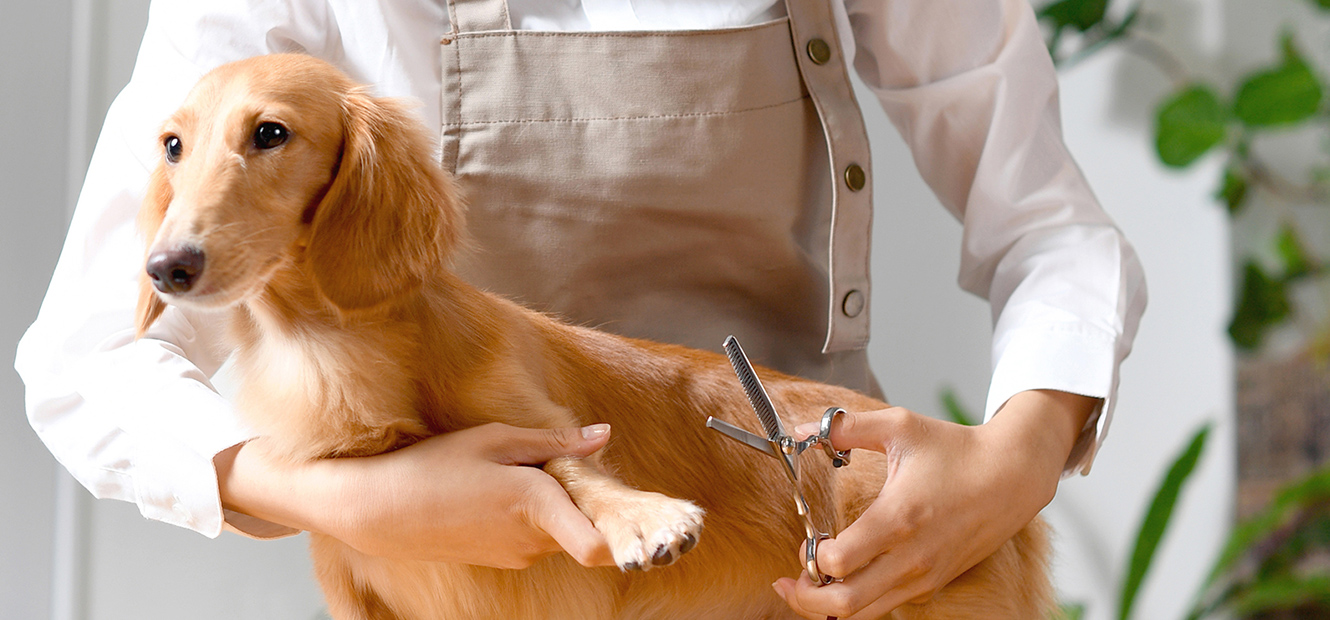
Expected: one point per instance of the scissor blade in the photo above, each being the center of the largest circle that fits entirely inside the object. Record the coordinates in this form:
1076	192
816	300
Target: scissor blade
757	396
734	432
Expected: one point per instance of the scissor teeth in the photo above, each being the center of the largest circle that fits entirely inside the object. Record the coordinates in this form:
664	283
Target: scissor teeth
757	396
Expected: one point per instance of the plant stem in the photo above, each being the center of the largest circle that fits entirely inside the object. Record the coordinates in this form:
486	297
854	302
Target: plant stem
1161	57
1286	190
1105	34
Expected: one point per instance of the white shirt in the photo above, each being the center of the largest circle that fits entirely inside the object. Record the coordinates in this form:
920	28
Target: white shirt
967	82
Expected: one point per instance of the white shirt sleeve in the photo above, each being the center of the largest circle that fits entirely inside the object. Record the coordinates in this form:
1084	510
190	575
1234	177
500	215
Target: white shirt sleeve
139	420
970	86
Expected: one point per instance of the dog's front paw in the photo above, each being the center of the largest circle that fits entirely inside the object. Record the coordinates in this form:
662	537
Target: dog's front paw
650	529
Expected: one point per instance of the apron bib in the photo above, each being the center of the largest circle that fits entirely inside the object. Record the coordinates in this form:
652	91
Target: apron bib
678	186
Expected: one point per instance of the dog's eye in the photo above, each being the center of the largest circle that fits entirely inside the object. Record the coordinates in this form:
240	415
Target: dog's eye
269	135
173	148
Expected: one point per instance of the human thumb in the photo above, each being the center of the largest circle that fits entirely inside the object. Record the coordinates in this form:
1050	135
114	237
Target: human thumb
868	429
532	446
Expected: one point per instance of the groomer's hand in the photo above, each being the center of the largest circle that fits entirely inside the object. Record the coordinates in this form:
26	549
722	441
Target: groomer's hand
468	496
953	495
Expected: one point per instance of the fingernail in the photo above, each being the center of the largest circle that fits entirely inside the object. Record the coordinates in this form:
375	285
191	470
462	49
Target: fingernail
807	428
595	431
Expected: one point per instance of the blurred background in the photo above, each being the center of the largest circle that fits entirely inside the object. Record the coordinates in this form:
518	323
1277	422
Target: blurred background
1163	105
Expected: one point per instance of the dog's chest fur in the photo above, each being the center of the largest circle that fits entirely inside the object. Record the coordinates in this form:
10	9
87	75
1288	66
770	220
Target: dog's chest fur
318	390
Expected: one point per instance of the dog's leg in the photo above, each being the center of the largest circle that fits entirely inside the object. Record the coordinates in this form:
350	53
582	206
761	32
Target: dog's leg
644	529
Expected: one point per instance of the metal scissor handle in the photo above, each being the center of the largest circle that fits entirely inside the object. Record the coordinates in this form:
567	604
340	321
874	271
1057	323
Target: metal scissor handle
839	458
810	560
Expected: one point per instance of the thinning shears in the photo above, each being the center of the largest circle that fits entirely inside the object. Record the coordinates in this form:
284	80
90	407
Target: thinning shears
782	446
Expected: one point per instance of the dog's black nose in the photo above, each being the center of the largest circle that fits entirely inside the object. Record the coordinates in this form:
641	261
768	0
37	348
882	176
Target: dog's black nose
175	270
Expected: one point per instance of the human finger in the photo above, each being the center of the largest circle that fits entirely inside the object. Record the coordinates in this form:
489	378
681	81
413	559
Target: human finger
882	585
877	609
784	588
883	526
867	430
549	508
534	446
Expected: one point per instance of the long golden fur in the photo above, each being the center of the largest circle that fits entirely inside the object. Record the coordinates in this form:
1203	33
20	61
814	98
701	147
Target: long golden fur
330	253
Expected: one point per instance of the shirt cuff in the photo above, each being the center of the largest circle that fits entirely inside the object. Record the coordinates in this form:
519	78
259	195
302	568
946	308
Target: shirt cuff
177	424
1073	359
175	481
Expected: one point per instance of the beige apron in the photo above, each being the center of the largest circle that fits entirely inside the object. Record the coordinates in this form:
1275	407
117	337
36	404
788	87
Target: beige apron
677	186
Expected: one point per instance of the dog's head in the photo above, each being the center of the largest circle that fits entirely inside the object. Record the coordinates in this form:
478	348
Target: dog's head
279	161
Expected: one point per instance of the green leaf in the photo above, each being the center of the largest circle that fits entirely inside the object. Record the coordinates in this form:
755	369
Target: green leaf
1264	303
1256	536
1069	611
1322	4
1189	124
1292	498
1294	543
1157	518
1286	94
1286	592
1079	14
1234	190
1293	253
955	410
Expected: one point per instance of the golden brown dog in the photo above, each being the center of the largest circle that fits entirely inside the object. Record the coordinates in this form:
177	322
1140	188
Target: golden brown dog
317	216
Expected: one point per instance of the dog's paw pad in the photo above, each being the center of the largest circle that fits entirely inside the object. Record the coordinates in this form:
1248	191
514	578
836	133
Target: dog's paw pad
651	530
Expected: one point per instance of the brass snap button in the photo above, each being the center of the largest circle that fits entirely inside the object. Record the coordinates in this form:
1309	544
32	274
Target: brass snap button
853	304
819	51
855	179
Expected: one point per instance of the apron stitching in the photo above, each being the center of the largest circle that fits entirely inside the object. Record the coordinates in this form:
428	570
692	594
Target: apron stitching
618	34
457	107
625	118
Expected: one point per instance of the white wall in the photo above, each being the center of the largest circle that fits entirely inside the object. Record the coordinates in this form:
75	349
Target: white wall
34	87
124	566
928	334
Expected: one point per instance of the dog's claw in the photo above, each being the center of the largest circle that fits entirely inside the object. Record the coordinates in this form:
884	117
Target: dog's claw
662	557
689	541
631	566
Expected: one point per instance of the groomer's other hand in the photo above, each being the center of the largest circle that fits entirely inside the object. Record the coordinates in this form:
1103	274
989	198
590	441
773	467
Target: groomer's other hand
953	495
471	496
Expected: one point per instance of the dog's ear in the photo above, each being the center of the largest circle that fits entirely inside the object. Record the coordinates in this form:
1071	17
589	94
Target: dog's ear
151	214
390	215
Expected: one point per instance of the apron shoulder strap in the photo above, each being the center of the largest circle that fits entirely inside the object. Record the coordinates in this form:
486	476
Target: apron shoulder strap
826	76
479	15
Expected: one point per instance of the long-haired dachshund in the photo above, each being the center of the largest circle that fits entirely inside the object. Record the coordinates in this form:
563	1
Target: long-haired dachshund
317	216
